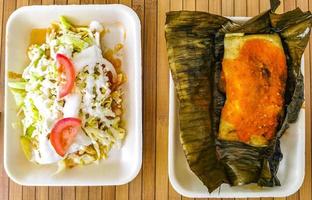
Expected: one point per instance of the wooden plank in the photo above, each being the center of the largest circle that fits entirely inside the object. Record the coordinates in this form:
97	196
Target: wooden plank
108	192
186	198
126	2
149	99
20	3
42	193
29	193
215	6
252	8
227	7
60	2
161	187
264	5
75	2
280	198
202	5
82	193
47	2
189	4
240	7
55	193
111	1
68	193
4	187
122	192
33	2
289	5
135	188
294	197
100	1
303	4
86	1
95	193
173	195
16	192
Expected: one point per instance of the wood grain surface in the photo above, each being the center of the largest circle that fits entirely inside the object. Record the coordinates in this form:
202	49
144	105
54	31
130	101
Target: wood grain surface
152	182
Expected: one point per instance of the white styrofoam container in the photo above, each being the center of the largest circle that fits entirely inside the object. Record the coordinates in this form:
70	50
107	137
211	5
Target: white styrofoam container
290	173
123	164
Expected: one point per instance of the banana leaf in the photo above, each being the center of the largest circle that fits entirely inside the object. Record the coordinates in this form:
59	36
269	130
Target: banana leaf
195	52
190	45
247	164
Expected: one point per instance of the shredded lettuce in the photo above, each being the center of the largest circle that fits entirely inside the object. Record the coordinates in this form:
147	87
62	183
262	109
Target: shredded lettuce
17	85
65	23
26	146
19	96
78	43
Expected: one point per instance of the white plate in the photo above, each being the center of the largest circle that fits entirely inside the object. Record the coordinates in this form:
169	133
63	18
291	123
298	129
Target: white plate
122	165
290	173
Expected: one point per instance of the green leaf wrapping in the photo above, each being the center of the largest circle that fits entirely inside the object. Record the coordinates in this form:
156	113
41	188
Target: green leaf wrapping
190	45
245	164
195	51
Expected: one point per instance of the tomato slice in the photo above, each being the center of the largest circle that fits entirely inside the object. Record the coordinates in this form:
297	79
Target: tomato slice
63	134
65	64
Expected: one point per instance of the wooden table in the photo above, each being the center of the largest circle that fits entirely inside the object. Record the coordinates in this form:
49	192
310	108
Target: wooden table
152	182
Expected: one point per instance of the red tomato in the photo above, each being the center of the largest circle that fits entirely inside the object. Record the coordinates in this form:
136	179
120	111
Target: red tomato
63	134
66	65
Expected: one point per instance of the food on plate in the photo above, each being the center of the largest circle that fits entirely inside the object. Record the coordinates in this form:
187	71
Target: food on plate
254	75
239	86
69	97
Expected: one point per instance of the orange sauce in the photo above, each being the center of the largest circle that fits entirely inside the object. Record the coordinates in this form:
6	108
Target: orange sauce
255	84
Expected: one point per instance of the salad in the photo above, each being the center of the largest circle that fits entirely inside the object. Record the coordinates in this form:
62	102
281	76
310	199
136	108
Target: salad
69	97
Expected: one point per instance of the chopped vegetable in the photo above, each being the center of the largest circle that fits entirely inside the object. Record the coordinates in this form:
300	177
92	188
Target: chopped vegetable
66	65
64	133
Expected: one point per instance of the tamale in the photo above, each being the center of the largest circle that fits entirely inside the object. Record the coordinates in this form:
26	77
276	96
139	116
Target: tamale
195	44
254	74
259	163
